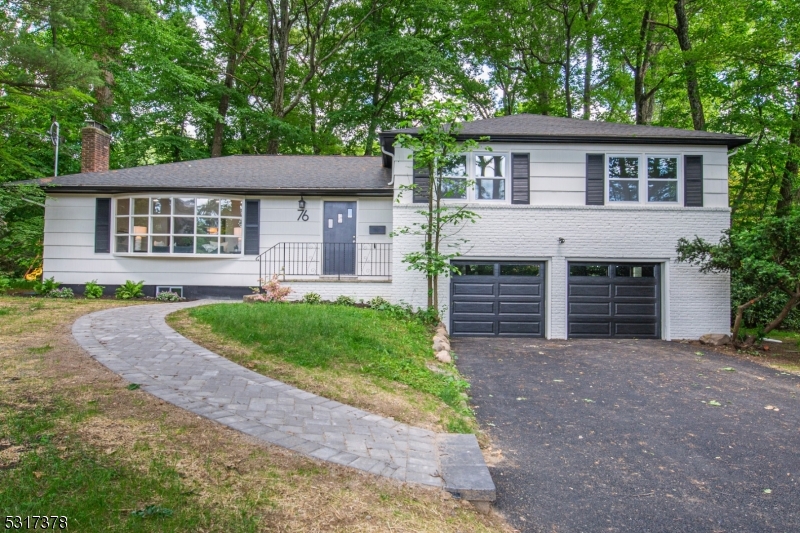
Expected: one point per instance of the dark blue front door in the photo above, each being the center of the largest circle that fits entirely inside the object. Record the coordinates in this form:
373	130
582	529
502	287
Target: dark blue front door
339	239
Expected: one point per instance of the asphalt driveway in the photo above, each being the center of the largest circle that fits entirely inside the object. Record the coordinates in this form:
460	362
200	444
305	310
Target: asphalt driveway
605	435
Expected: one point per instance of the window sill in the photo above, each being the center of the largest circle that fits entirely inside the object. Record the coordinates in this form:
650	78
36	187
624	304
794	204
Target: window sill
181	256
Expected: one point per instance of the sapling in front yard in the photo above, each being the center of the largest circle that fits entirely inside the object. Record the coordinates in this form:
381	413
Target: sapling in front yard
437	154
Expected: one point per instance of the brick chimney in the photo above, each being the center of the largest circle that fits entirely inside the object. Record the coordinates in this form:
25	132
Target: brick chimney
95	143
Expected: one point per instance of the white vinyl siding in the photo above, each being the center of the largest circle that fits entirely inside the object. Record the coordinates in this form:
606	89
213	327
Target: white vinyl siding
558	171
69	244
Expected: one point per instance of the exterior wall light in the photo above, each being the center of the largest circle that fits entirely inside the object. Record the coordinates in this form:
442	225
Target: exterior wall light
301	204
561	240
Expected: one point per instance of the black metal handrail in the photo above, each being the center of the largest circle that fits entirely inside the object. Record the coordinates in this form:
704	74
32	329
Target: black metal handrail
339	259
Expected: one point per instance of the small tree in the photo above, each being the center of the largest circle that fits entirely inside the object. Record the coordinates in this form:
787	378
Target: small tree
435	149
764	257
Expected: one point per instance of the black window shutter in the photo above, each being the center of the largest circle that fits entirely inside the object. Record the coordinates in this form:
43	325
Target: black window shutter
421	185
102	226
595	179
252	233
520	178
693	181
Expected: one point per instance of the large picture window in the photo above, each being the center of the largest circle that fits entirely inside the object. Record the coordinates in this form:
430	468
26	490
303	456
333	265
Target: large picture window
178	225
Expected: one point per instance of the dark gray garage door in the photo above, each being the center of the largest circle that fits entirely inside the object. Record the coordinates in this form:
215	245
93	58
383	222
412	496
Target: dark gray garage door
614	300
494	298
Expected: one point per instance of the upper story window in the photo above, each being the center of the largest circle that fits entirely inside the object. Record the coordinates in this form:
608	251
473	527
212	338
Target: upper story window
178	225
471	177
662	179
490	177
454	178
655	181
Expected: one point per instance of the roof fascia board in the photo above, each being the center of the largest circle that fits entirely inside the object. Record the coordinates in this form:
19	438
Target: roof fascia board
71	189
586	139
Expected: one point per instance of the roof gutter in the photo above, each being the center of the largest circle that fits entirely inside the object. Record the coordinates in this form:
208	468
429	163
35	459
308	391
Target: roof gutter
731	143
89	189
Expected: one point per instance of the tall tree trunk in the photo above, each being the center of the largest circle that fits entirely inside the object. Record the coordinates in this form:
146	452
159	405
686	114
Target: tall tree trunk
789	186
279	57
587	77
103	94
568	67
373	118
312	101
643	98
689	66
222	109
588	52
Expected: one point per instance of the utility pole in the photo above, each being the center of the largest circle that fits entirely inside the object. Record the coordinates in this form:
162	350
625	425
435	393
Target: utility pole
55	138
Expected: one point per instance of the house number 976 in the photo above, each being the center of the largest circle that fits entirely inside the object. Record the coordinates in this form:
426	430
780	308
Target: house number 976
303	215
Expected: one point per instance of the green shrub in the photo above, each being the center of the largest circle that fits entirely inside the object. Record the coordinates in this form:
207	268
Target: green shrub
5	284
168	296
46	286
63	292
429	316
403	311
130	290
344	300
92	290
377	303
763	312
312	298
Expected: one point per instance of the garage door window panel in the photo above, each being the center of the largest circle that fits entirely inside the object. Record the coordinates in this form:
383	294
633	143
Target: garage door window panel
635	271
588	270
475	270
519	270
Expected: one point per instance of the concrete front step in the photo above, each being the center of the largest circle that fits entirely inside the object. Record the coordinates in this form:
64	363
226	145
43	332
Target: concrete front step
463	469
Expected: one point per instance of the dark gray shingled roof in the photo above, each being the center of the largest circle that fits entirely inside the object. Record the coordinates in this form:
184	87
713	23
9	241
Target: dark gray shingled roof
547	129
243	174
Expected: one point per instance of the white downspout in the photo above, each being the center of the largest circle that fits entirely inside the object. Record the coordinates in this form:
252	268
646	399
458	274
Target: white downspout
384	152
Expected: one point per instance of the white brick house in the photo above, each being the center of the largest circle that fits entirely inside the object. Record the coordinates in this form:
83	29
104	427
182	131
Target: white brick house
577	235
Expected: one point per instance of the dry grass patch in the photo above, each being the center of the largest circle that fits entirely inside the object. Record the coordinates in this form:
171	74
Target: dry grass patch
59	409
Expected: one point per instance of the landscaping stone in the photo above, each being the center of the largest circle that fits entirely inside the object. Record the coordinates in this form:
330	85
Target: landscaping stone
136	343
444	356
715	339
440	343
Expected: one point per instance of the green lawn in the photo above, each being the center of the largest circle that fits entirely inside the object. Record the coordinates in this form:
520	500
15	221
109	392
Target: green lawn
77	441
342	341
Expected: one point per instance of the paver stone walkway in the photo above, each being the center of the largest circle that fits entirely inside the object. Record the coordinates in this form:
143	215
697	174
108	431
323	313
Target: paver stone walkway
136	343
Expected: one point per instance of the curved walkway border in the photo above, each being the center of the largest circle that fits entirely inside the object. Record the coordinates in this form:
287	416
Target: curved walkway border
136	343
